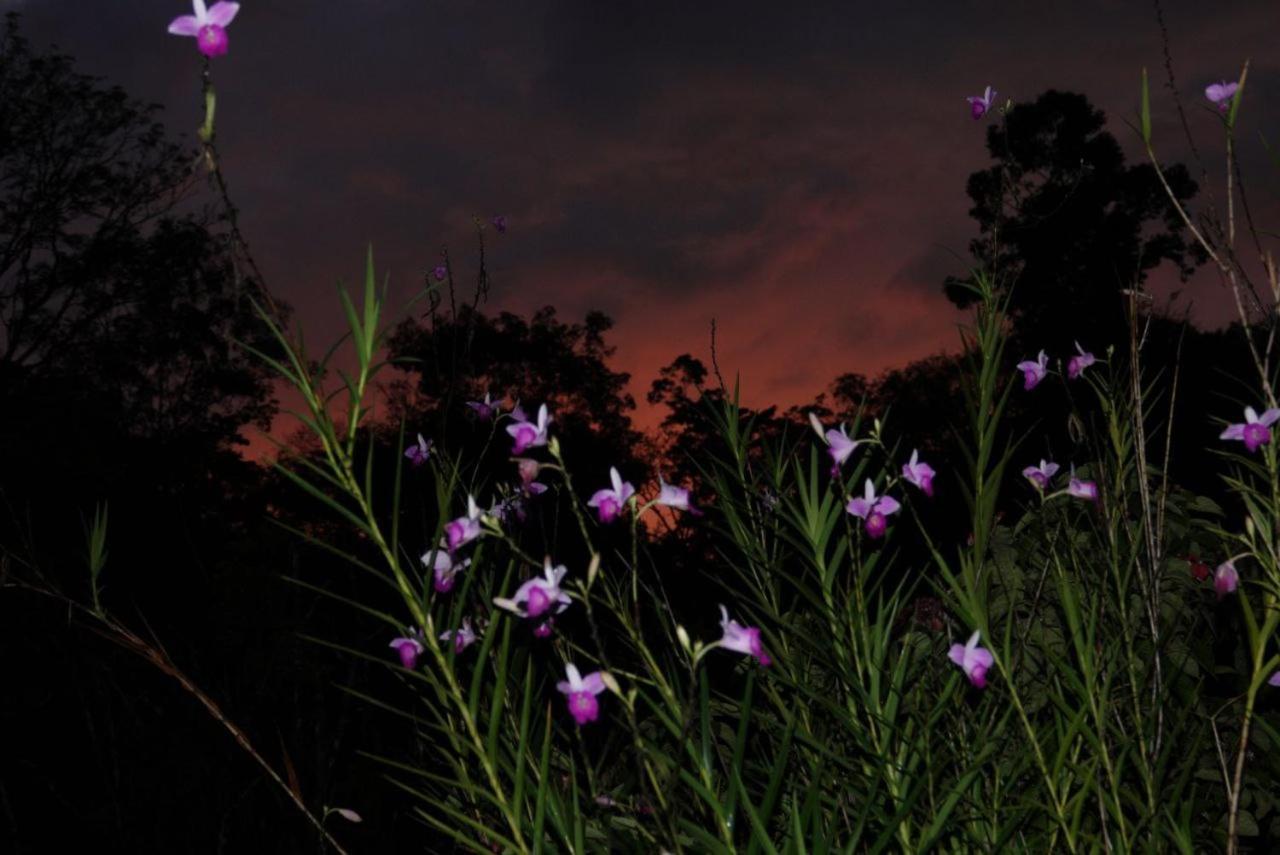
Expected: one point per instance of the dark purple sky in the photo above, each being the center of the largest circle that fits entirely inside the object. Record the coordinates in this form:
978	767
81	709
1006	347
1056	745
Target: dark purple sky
797	173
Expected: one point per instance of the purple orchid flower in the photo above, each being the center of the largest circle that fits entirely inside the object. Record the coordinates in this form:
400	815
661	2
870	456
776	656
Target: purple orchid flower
444	569
1256	430
1082	489
463	530
742	639
1078	363
873	510
609	502
672	496
1034	372
980	104
529	469
1221	94
538	595
975	661
419	453
440	272
409	647
462	637
1225	579
839	444
580	693
1042	474
920	474
486	409
528	434
1274	679
208	25
500	223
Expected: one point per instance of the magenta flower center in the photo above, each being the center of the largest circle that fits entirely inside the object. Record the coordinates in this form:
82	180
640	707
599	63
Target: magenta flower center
444	582
525	435
757	647
977	108
212	40
584	707
609	509
1256	435
1224	584
538	602
453	534
542	630
408	654
876	524
978	676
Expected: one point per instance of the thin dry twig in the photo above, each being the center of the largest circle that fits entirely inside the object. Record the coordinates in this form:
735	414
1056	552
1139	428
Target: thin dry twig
113	630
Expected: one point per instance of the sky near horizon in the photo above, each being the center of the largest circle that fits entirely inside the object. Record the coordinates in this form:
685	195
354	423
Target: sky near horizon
795	173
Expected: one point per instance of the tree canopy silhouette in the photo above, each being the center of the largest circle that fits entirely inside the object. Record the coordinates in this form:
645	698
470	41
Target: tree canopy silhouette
450	360
119	307
1068	223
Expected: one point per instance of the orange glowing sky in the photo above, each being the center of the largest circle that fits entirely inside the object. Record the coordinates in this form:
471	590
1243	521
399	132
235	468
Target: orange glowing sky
797	174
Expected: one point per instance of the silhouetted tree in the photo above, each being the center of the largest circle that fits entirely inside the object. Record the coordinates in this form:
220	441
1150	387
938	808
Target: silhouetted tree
121	381
1067	224
449	361
119	312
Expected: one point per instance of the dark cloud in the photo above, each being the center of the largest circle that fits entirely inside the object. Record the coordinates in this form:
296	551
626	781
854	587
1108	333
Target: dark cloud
795	170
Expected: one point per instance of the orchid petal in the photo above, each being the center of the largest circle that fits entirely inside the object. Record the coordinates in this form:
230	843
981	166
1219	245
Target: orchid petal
187	25
221	14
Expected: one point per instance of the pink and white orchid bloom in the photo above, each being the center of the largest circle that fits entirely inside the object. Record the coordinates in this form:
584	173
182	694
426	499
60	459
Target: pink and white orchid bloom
839	444
539	595
1041	475
1082	489
529	469
580	693
975	661
1078	363
528	434
419	453
672	496
486	409
409	646
463	530
462	637
1256	430
919	473
609	502
1034	372
444	568
1221	94
873	510
979	105
1225	579
208	25
742	639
